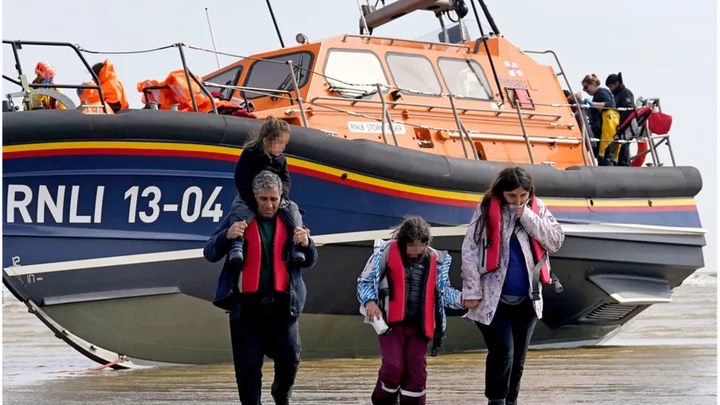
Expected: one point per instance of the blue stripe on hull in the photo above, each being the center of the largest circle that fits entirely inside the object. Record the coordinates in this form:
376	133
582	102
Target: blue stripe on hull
331	207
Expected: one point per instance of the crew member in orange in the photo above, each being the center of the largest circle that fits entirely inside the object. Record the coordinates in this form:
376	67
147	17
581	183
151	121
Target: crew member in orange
406	282
113	90
264	296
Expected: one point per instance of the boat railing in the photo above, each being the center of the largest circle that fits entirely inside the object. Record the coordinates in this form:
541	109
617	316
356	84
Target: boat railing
294	96
586	144
392	41
16	45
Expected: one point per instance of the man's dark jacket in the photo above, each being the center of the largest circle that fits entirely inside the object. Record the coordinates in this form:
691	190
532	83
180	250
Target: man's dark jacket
226	294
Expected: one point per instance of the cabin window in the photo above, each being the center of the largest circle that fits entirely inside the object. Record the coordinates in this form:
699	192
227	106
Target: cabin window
413	72
274	74
346	69
465	78
229	77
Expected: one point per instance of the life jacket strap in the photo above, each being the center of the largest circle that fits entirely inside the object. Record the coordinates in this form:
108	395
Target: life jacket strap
536	279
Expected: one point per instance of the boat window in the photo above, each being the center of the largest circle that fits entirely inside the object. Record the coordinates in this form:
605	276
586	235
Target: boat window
229	77
413	72
465	78
273	73
346	69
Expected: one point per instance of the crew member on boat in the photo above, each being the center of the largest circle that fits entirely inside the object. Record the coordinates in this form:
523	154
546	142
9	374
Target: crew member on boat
504	261
406	282
604	120
45	74
624	98
265	296
113	90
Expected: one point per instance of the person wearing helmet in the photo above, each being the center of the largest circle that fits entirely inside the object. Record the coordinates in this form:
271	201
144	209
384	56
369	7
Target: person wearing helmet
44	74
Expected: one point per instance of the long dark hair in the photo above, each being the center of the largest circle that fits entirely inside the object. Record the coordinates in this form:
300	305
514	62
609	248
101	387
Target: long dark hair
413	228
507	180
271	129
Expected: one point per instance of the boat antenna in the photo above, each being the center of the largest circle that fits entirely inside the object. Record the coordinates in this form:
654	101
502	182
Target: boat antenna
487	50
488	16
275	22
212	36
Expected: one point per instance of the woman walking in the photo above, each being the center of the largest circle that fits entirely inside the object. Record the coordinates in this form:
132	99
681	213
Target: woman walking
504	260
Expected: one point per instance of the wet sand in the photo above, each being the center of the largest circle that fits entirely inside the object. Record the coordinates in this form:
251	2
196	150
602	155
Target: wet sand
668	356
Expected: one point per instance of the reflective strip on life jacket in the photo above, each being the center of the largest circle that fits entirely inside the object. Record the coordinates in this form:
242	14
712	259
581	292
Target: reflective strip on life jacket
396	276
493	228
250	275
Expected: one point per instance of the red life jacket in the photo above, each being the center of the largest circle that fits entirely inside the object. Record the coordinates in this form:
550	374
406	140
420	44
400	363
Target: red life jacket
493	250
250	275
396	276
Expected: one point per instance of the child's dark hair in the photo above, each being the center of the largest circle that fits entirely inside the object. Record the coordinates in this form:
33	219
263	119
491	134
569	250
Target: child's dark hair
412	229
271	129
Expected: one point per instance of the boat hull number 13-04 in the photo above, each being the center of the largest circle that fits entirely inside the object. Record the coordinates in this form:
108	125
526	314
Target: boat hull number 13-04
85	205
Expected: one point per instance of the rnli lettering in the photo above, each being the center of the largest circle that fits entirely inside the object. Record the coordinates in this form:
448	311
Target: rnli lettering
73	204
374	127
19	197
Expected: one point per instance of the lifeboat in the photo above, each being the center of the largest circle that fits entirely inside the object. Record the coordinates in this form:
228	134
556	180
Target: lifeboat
107	213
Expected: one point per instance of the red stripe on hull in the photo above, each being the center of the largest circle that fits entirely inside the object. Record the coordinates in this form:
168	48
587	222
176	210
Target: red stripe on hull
326	176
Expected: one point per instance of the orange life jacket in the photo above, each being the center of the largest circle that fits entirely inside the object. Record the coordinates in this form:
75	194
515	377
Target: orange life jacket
493	227
177	92
250	274
112	89
396	276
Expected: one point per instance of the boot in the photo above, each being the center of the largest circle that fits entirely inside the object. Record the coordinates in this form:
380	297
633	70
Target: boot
496	402
236	252
297	256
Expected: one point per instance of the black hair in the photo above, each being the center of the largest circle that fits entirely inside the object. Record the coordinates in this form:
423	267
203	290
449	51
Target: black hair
614	78
98	67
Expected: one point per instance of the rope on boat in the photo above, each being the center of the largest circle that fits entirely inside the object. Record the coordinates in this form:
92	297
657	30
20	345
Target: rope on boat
81	49
112	363
197	48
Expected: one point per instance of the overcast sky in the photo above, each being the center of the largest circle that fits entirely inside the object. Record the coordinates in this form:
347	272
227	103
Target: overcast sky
665	49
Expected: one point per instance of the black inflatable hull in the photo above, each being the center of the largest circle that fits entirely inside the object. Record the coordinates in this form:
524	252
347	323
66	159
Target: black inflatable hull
107	216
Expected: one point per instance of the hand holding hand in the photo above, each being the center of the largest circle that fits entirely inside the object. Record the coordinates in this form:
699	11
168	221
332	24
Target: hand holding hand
372	311
300	237
469	304
236	230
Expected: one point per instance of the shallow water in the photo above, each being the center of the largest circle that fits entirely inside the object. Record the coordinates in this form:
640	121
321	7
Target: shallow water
667	356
